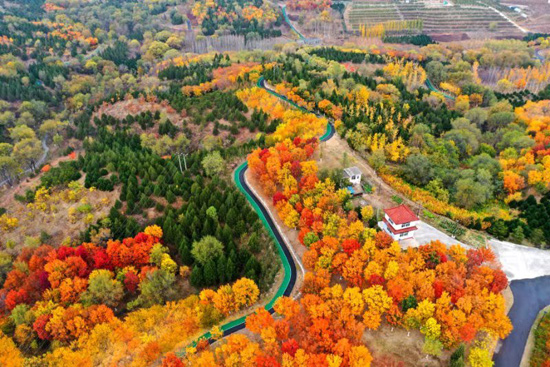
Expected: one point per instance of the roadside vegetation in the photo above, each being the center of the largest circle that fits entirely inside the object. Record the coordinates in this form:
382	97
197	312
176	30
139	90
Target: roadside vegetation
540	355
123	237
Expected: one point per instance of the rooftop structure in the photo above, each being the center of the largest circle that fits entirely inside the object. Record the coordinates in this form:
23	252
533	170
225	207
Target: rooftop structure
399	222
353	174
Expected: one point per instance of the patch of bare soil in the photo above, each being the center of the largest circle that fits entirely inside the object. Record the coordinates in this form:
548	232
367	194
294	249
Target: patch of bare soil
56	222
403	346
132	106
136	106
7	193
508	298
538	14
151	214
333	152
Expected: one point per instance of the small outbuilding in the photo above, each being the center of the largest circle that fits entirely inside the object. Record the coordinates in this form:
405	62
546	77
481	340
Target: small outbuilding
400	222
353	174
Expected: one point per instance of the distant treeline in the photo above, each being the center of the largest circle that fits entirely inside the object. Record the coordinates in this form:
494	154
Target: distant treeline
534	36
418	39
519	98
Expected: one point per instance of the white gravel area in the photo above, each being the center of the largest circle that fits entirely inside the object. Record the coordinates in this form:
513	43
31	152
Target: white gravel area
518	262
427	233
521	262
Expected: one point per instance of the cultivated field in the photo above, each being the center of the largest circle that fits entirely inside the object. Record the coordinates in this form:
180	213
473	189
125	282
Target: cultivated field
473	20
537	14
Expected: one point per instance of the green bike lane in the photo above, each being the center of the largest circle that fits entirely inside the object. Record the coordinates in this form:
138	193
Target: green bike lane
262	84
287	20
434	89
288	263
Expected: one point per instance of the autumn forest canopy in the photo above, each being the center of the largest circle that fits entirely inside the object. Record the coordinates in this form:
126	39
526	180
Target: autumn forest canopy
173	193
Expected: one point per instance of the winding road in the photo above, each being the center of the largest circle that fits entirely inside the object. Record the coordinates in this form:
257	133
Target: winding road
310	41
434	89
287	20
530	297
289	265
263	84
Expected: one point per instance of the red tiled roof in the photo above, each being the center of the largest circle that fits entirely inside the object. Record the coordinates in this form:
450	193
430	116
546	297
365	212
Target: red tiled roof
399	231
401	214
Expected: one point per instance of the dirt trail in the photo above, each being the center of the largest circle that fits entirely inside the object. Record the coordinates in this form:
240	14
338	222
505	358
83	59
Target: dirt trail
334	149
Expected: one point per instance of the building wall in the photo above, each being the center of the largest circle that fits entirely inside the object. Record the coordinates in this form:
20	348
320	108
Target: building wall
354	179
401	226
396	237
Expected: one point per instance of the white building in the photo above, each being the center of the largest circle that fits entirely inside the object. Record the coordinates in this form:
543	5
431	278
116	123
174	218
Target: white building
399	222
353	174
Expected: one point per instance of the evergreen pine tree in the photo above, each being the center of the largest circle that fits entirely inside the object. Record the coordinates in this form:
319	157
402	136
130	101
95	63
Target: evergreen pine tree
232	217
208	228
210	273
143	202
222	211
254	243
131	207
197	278
240	229
227	234
130	194
230	271
157	191
147	190
222	266
499	229
122	196
517	235
250	270
170	197
457	358
184	250
231	247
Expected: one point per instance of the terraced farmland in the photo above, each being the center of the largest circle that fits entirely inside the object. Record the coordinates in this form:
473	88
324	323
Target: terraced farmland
437	20
370	15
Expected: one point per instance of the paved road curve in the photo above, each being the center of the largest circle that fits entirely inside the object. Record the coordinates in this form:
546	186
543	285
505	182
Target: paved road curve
530	296
431	87
286	257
